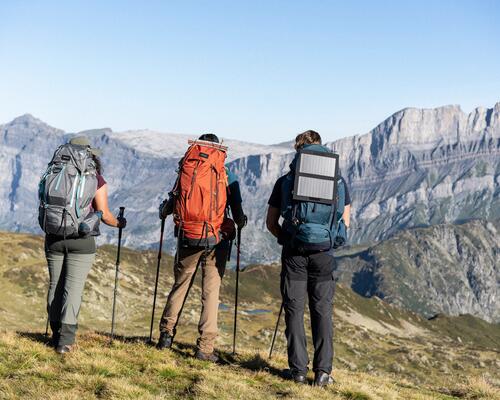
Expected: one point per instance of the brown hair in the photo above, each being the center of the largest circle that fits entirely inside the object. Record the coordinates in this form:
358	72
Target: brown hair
307	137
98	164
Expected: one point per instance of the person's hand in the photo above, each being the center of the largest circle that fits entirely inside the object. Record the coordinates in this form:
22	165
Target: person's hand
122	222
166	208
242	222
227	229
163	209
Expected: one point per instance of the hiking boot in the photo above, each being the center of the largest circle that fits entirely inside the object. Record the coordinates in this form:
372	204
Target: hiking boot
322	379
63	349
212	357
297	377
165	341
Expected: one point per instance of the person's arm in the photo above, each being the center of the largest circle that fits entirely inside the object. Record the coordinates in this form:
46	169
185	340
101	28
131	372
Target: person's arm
235	204
272	221
101	204
274	210
346	216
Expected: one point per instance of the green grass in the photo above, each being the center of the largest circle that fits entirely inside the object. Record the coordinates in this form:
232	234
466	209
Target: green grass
353	395
372	340
132	370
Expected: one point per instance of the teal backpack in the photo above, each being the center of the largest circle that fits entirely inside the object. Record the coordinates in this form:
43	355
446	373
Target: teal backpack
312	226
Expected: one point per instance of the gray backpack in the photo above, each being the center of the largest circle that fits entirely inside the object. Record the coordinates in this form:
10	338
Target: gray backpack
66	191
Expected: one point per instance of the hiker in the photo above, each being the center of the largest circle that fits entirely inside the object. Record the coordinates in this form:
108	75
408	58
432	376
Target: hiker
204	231
307	266
73	200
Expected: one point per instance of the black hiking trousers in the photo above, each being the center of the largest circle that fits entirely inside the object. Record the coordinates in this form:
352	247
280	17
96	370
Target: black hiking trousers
311	275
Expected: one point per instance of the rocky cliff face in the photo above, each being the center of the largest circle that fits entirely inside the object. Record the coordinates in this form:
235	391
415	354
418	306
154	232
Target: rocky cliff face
417	168
422	167
450	269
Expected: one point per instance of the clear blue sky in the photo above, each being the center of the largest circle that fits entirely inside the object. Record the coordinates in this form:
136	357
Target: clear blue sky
253	70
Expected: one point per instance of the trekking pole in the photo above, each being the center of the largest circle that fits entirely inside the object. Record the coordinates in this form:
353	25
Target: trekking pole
238	249
117	271
156	281
276	331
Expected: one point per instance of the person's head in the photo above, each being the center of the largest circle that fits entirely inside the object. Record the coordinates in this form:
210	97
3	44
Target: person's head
307	137
209	137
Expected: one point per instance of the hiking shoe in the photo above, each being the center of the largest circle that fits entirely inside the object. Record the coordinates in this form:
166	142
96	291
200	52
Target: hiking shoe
212	357
322	379
297	377
63	349
165	341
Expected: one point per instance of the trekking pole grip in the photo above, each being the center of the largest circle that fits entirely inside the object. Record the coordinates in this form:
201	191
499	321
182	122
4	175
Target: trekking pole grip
120	215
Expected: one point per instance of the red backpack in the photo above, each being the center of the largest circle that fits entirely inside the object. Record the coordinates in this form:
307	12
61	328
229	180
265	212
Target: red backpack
201	191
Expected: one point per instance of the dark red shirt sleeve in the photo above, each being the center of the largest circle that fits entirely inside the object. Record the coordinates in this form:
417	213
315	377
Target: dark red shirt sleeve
100	181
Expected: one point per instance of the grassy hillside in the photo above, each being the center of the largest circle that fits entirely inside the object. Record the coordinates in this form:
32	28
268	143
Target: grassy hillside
447	268
128	370
381	351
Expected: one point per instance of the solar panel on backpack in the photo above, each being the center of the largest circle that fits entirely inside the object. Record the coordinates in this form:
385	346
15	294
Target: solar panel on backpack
315	177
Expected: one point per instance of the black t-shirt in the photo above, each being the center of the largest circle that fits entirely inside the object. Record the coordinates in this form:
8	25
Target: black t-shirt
275	199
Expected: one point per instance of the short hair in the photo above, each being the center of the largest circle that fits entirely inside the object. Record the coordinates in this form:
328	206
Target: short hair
307	137
209	137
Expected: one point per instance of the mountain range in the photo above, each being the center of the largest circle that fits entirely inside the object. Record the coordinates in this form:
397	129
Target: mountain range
419	167
435	170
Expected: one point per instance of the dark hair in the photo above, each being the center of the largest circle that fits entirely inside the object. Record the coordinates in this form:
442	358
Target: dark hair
307	137
209	137
98	164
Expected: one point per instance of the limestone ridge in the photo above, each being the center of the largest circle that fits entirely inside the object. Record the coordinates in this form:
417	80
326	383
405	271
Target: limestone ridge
417	168
421	167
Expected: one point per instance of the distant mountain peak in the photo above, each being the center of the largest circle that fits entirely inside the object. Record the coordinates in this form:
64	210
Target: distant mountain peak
95	132
28	125
26	118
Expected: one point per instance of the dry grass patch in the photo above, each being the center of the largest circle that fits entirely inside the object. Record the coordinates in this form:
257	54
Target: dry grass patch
29	369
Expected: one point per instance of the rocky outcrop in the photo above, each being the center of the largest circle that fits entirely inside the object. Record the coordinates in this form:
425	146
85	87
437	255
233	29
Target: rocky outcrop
422	167
450	269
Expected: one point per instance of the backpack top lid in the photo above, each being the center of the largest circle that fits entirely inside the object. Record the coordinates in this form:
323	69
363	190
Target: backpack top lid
84	141
207	143
316	173
78	156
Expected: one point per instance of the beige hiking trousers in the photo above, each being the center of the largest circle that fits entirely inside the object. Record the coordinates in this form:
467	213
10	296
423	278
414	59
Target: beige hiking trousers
212	272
